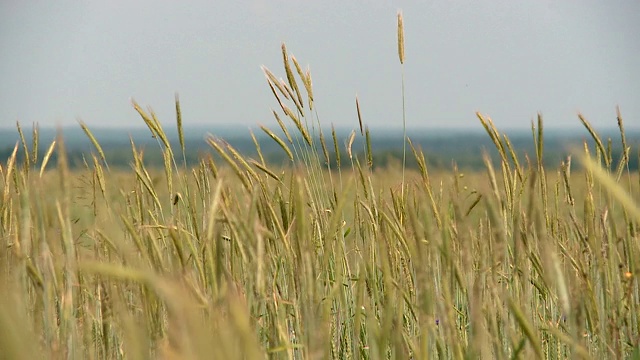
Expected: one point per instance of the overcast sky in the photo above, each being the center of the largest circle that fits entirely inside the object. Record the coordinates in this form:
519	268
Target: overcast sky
66	60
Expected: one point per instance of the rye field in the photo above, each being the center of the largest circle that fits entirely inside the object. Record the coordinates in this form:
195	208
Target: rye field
323	257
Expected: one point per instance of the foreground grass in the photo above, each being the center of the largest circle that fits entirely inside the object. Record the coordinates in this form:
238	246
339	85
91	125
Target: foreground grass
252	261
236	258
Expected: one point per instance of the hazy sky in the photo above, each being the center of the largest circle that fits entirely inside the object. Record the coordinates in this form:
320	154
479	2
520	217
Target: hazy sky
66	60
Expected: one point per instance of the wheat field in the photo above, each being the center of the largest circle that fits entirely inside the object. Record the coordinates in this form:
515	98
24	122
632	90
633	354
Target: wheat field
324	257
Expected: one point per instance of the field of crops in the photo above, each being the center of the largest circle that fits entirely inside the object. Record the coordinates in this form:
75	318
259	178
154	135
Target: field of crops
326	257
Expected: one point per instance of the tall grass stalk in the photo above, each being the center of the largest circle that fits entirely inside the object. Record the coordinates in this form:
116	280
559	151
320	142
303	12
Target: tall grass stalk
404	117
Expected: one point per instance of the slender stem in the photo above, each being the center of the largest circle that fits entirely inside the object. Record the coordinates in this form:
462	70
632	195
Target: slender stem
404	135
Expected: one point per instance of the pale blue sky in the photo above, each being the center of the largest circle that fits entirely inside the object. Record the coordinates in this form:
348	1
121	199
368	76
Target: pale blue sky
64	60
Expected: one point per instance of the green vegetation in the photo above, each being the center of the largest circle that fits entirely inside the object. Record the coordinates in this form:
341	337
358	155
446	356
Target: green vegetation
324	256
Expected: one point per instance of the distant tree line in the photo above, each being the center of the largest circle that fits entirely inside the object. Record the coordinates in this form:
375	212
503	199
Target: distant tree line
443	157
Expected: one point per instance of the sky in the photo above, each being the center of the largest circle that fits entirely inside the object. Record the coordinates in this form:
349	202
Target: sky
64	61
